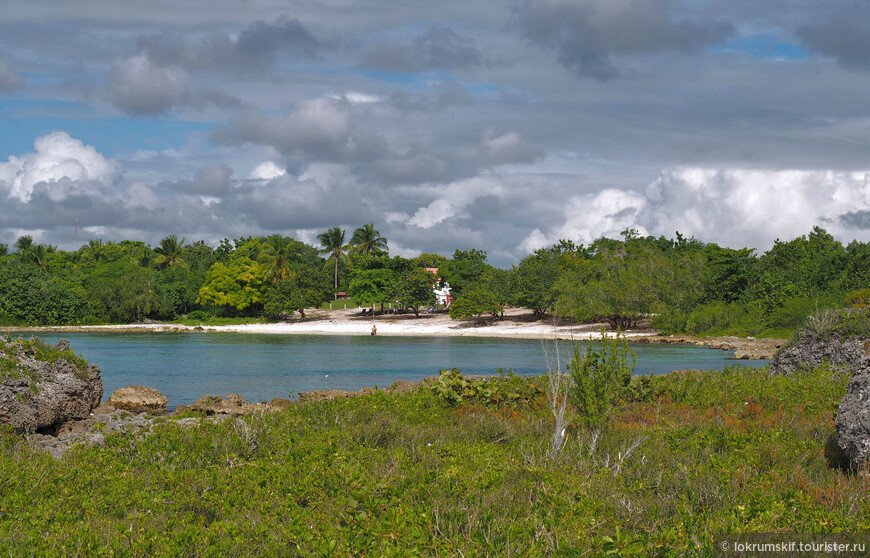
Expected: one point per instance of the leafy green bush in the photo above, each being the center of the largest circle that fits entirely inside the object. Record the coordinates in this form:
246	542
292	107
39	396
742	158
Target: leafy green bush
670	322
853	323
857	299
453	388
714	318
200	315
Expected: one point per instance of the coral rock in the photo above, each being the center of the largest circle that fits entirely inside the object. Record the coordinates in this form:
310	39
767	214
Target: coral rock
138	399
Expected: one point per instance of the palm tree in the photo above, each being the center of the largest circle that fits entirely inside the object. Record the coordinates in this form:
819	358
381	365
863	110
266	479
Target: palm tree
168	253
4	249
366	239
333	244
24	244
38	254
278	252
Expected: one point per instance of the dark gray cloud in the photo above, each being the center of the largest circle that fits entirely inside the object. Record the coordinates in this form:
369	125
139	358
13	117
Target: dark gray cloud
319	128
10	80
844	36
508	148
141	88
439	48
587	34
442	95
211	180
254	50
856	219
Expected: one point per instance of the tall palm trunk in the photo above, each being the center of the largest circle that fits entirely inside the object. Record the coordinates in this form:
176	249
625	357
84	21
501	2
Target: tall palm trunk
335	283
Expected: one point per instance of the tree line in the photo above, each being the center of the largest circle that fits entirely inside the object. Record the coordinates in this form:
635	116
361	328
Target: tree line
677	285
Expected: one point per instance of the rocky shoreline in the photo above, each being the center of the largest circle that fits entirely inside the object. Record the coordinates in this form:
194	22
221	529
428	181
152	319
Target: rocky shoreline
748	348
138	414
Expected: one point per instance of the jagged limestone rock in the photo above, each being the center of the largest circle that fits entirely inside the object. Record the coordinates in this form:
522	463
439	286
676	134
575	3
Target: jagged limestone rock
811	351
42	387
853	418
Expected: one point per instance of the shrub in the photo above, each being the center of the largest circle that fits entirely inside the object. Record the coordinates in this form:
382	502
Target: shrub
858	299
821	323
715	317
601	378
670	322
453	388
201	315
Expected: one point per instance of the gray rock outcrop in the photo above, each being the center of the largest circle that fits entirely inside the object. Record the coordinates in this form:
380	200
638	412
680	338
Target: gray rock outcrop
853	418
42	387
811	351
138	399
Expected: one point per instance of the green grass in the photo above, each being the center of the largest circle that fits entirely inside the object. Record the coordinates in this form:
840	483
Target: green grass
421	473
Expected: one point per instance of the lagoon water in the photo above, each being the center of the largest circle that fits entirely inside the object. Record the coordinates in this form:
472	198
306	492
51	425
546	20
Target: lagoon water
260	367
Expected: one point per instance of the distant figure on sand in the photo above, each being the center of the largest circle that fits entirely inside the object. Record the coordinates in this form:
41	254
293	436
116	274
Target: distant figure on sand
374	330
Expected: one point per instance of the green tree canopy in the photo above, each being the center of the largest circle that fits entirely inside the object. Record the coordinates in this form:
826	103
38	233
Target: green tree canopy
234	288
413	289
169	252
277	257
306	287
372	286
535	280
366	240
474	302
464	270
621	287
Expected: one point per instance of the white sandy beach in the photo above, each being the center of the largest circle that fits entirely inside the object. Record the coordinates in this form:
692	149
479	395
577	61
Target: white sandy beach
518	324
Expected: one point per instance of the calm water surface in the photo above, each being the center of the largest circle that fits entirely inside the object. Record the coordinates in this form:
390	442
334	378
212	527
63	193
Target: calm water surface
259	367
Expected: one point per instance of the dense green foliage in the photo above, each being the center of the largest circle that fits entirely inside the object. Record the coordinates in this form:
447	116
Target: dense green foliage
680	286
411	474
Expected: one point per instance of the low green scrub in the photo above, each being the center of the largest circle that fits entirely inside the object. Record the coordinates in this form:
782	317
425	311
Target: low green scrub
742	320
508	389
685	456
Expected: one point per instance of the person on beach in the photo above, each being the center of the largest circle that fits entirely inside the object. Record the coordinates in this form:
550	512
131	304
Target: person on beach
374	330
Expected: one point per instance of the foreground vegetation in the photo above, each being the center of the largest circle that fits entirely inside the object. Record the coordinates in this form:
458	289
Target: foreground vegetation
676	285
463	468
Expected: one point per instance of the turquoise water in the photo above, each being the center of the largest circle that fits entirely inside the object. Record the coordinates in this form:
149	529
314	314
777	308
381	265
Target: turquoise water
260	367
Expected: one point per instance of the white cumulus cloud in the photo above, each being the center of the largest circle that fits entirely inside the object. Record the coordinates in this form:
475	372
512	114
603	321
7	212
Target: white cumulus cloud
65	166
267	170
453	199
732	207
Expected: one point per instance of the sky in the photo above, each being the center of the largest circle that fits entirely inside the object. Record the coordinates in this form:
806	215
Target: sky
501	125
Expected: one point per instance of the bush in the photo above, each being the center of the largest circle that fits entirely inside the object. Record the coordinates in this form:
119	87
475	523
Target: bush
716	317
201	315
453	388
601	378
857	299
670	322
